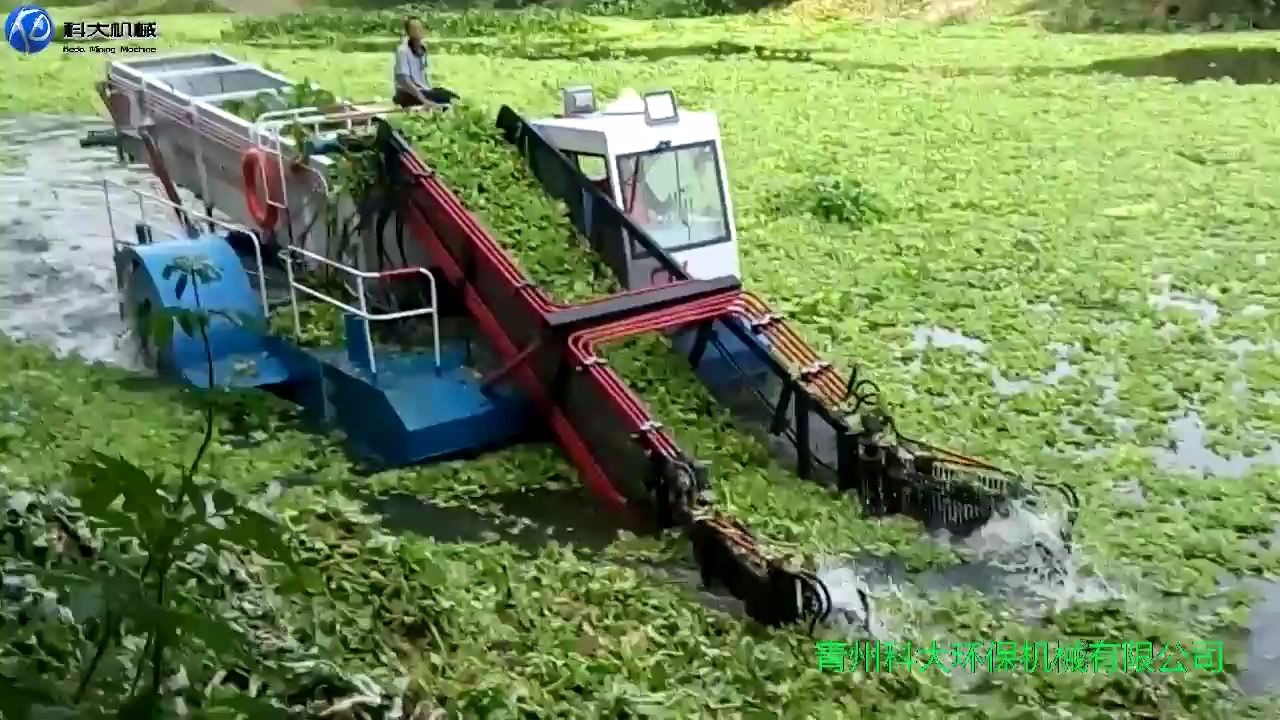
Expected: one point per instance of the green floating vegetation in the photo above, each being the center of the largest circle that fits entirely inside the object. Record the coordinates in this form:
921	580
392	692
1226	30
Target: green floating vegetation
494	182
302	95
792	514
1017	243
332	25
319	324
489	630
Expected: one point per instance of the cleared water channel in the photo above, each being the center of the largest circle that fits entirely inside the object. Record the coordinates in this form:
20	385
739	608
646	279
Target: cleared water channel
57	288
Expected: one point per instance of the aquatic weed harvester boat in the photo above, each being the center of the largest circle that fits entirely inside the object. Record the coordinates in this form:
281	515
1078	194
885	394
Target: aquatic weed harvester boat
645	186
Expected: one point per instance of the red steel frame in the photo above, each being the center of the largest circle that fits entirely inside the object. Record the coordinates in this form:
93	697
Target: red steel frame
432	210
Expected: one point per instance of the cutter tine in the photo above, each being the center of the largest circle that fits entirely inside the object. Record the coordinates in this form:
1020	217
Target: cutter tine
819	593
866	610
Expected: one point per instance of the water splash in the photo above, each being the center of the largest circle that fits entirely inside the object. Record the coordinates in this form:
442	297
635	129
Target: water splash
1028	543
849	582
1019	558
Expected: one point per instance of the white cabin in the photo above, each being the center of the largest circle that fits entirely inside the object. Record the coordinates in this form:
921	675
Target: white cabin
664	168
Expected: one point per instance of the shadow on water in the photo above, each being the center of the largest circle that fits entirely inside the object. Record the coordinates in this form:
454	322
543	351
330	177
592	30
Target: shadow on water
534	519
527	519
1245	66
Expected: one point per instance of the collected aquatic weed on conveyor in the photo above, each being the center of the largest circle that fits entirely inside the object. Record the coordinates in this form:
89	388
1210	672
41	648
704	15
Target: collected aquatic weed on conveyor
494	183
302	95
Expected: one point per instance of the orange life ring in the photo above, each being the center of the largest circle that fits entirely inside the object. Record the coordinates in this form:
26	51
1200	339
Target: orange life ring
251	170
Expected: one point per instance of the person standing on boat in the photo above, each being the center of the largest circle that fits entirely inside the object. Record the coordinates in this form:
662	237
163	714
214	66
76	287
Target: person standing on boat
410	72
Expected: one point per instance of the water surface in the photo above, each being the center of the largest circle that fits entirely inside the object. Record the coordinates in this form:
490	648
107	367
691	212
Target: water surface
57	281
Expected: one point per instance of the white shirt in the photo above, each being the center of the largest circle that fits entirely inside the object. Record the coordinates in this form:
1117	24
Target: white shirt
409	66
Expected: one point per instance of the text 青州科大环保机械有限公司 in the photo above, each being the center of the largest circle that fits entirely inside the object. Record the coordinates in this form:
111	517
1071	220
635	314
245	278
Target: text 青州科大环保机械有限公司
1044	656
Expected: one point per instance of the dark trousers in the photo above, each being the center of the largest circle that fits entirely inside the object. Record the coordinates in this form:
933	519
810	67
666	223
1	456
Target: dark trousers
439	96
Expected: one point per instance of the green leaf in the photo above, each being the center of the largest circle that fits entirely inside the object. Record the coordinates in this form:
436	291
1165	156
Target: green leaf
214	632
303	580
181	287
25	695
142	707
160	328
208	273
187	321
195	498
103	479
49	712
223	501
243	708
433	574
259	533
248	321
86	601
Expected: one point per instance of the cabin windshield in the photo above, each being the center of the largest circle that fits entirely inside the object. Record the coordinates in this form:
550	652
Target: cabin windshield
675	195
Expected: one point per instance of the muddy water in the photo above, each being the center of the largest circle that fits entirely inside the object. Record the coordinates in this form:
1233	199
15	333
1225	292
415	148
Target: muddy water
57	283
1190	451
527	519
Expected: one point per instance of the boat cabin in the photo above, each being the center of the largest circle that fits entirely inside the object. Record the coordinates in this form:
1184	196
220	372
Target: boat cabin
664	167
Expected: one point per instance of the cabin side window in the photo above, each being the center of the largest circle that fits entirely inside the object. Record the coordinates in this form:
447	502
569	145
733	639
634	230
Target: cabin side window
594	168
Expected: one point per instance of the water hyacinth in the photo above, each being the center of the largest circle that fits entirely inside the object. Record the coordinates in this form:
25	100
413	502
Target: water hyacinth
1034	198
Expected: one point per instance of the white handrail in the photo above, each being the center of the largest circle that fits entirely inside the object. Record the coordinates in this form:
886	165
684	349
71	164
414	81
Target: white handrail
141	217
258	136
363	311
343	112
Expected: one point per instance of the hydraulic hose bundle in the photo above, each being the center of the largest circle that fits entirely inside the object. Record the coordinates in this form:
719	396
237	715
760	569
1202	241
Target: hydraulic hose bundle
840	434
